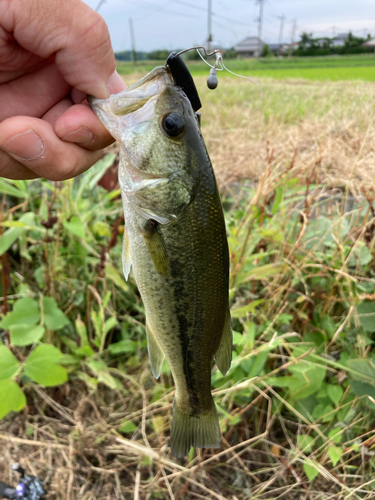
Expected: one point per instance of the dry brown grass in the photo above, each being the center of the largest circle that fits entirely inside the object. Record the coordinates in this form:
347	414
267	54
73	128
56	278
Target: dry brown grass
69	437
329	125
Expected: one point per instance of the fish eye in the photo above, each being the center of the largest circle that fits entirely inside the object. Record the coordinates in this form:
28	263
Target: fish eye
173	124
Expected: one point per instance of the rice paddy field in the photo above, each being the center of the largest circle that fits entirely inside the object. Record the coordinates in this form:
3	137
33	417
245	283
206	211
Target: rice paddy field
333	68
295	162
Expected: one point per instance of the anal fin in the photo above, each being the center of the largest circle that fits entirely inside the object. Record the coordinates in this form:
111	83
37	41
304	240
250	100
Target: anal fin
223	355
155	352
126	260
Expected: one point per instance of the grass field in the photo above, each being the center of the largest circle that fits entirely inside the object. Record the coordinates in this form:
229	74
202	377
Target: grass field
296	170
313	68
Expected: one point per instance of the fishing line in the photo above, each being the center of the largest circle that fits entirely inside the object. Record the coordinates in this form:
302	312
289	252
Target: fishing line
220	66
212	81
183	79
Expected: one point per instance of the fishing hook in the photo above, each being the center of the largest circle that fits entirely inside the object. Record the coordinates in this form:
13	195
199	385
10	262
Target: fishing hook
199	47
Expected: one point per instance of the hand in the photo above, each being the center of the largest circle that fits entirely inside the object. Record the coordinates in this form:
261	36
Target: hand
52	54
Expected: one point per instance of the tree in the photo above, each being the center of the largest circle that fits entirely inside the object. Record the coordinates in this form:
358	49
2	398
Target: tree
158	55
305	40
354	41
266	51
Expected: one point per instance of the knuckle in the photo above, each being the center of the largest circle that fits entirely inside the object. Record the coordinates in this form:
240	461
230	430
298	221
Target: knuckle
94	30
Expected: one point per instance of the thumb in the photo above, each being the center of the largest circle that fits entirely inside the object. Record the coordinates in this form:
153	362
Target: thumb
74	33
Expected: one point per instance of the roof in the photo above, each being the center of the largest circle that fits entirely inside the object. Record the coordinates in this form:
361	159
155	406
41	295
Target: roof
249	44
342	36
369	43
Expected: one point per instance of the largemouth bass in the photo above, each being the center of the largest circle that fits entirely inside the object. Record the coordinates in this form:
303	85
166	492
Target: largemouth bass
176	243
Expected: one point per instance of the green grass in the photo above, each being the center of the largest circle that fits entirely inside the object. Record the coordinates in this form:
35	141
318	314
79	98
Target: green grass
299	399
318	73
303	370
312	68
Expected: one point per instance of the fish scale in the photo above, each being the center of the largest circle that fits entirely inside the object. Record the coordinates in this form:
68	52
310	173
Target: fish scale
176	243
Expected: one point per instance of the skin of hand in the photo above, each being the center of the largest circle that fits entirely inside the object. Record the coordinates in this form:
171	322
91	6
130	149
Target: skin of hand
52	54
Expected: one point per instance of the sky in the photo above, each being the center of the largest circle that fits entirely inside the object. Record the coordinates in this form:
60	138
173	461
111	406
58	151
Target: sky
172	24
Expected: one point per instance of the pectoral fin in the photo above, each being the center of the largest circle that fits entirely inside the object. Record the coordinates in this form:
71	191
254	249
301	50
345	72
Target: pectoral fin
156	246
126	260
223	355
154	351
164	199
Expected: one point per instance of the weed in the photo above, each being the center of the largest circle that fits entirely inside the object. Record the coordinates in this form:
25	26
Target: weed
296	408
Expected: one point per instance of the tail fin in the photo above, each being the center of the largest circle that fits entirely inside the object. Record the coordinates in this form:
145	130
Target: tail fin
200	431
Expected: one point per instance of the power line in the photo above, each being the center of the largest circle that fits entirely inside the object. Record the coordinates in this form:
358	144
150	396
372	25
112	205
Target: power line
229	19
234	32
187	4
268	32
270	4
158	9
190	5
260	24
145	4
213	13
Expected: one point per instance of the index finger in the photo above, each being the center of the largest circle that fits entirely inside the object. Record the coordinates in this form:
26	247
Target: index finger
70	29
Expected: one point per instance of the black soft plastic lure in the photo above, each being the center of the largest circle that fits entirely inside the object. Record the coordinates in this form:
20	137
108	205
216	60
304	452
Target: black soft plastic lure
183	79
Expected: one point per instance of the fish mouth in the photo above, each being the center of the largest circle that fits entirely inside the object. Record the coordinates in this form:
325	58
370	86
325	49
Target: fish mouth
135	96
134	104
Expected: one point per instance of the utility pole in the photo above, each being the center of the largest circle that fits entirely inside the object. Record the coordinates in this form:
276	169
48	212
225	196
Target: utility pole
100	4
294	29
260	26
333	31
282	18
209	38
133	40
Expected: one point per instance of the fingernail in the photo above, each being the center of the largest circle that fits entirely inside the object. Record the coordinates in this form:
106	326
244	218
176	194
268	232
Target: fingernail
80	136
25	146
115	83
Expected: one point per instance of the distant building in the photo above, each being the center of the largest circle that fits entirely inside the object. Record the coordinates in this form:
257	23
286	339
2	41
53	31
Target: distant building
370	43
339	40
289	48
249	47
274	47
284	48
322	42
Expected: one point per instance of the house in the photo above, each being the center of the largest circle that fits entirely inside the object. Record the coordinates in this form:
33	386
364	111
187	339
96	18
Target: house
275	47
369	43
249	47
283	49
323	42
289	48
339	40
